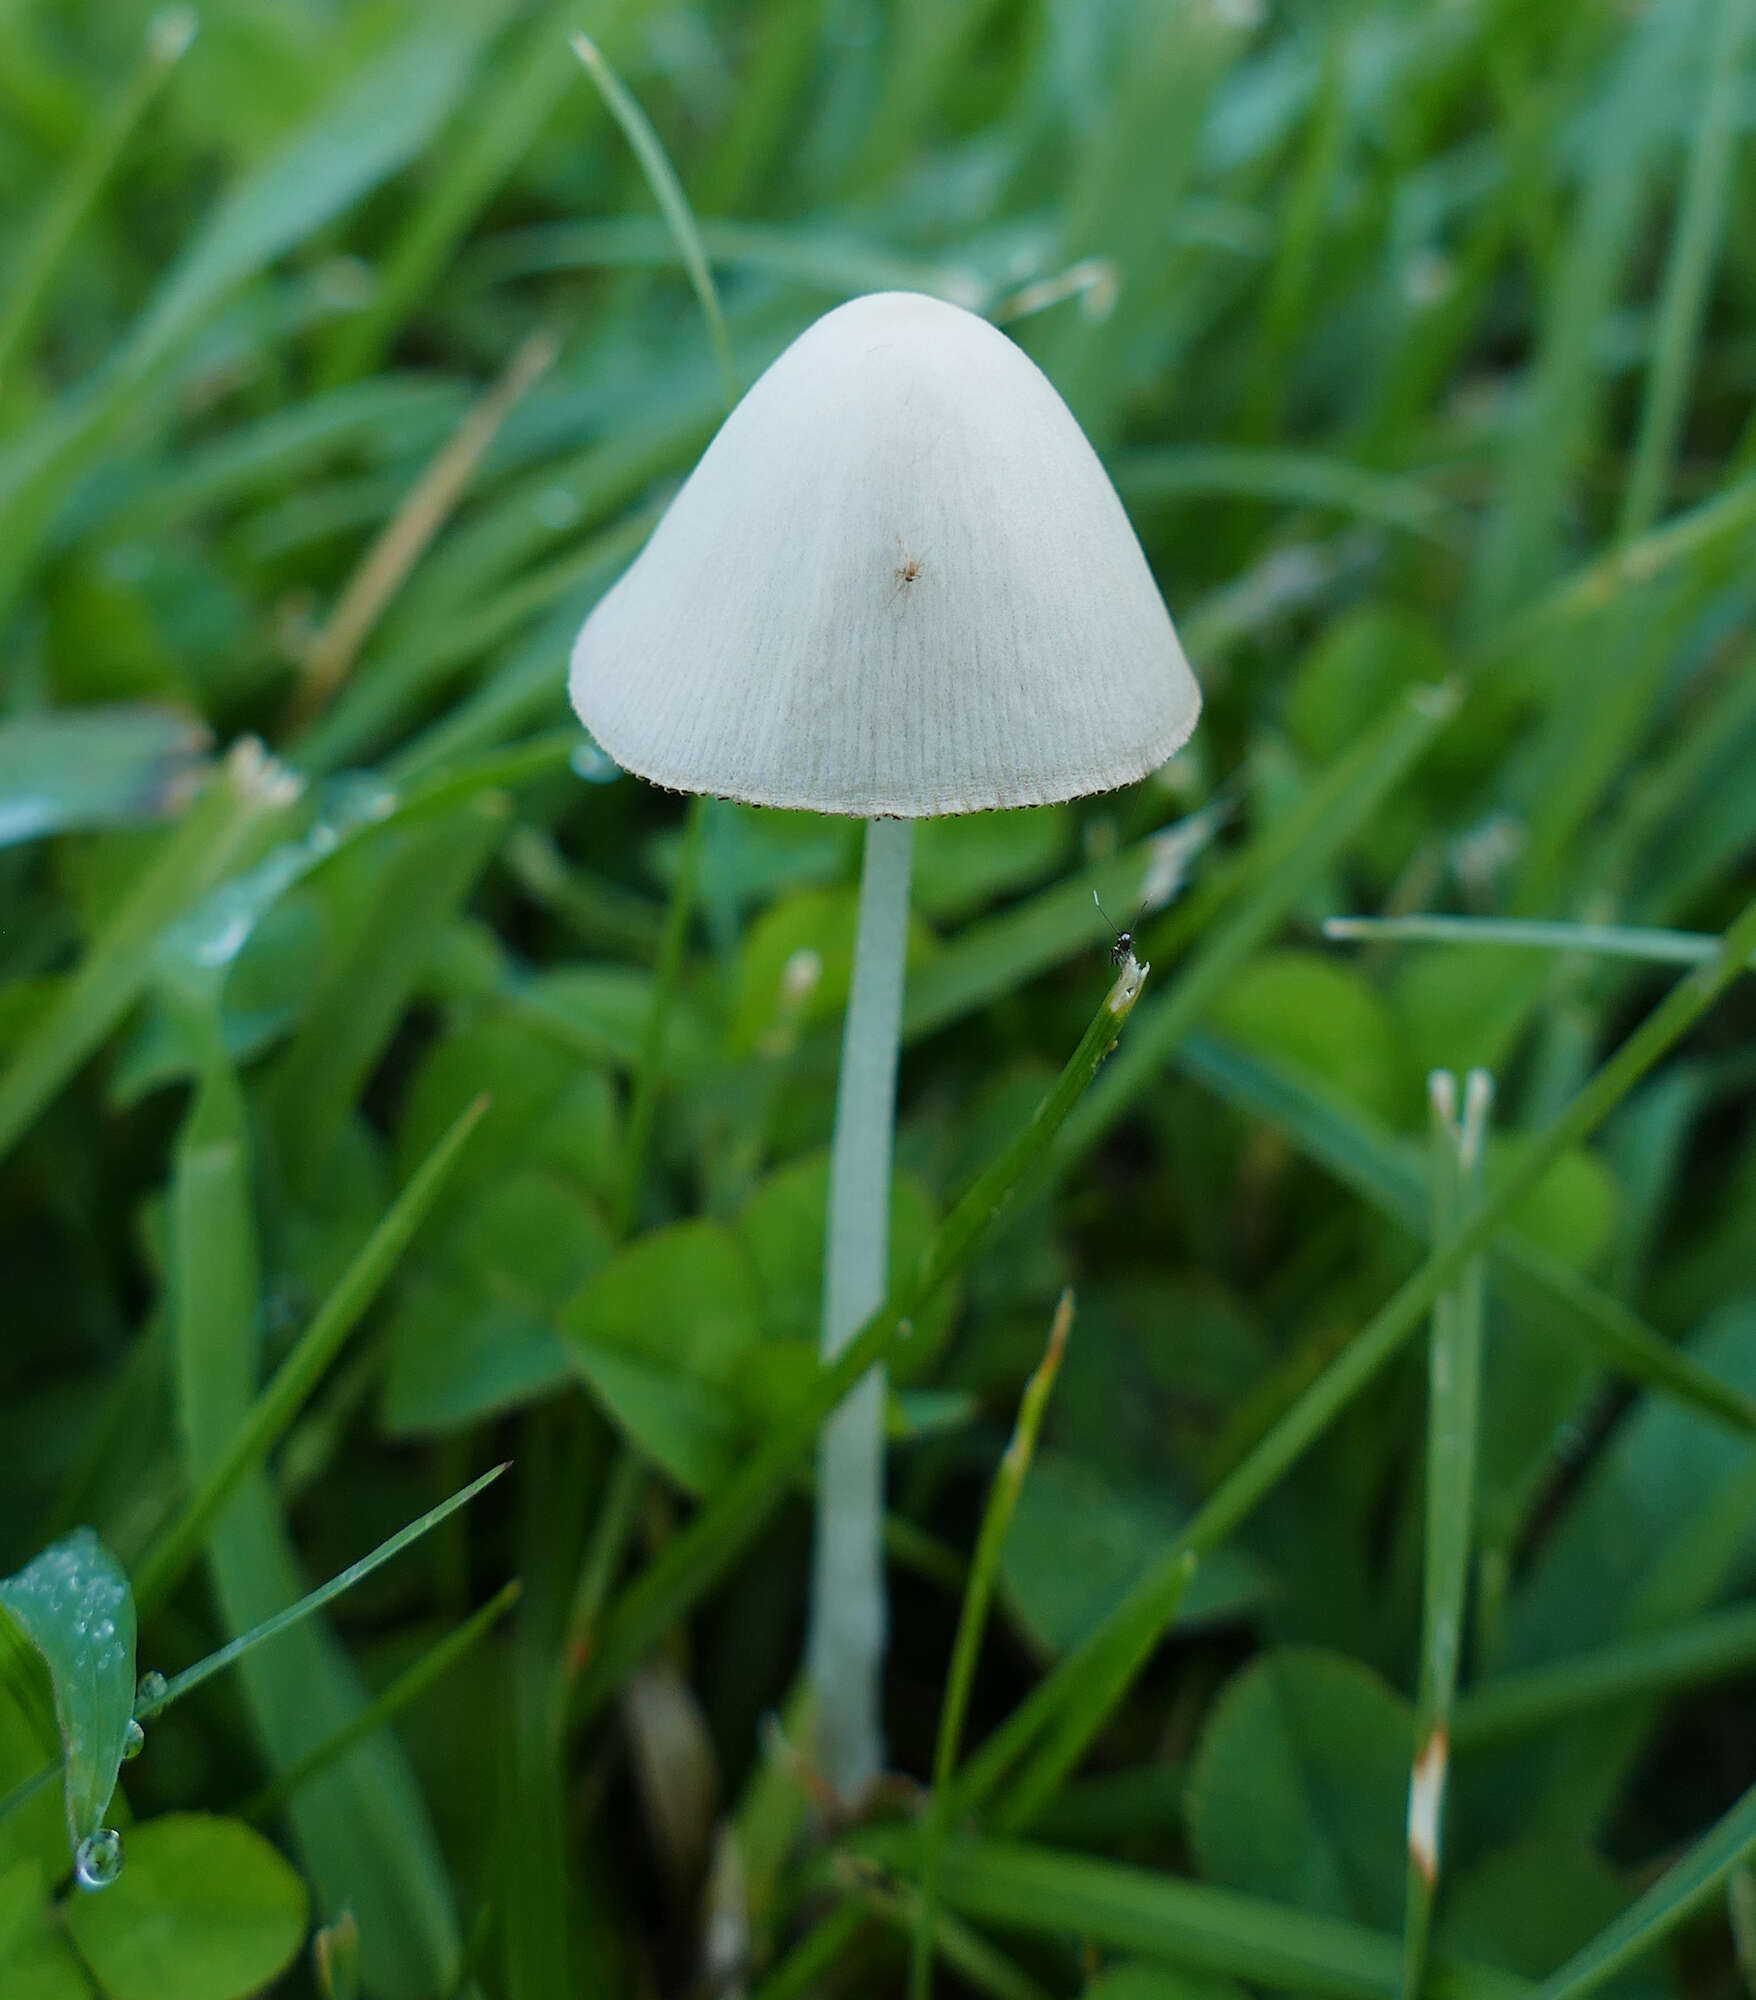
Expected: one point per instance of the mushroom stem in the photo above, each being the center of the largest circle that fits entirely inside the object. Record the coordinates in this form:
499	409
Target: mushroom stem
845	1648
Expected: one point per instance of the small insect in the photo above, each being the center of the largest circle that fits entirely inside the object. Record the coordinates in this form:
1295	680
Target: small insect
907	569
1122	950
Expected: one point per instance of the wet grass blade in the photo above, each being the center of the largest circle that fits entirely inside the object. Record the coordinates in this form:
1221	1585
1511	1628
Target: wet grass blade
1454	1369
966	1643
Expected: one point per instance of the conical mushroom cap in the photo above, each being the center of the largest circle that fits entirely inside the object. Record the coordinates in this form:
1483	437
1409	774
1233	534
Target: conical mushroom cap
899	583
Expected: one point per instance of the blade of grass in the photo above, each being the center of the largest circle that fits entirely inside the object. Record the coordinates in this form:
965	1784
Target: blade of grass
158	1699
36	267
815	1953
27	1788
403	1692
1718	1646
1654	947
1454	1368
615	1523
1545	1292
1559	409
661	177
844	265
1358	1364
362	1826
1292	478
692	1561
1683	1889
1290	858
996	955
406	896
233	816
1707	530
1189	1925
446	636
504	121
966	1644
410	530
165	1562
1694	245
1065	1742
966	1952
377	118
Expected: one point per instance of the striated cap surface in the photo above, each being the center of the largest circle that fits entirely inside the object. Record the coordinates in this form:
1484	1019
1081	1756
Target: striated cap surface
898	584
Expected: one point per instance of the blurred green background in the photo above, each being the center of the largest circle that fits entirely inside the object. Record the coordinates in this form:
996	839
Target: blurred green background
346	357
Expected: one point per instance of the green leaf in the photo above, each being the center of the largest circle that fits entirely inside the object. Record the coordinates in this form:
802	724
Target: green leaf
1530	1906
546	1109
33	1814
661	1334
474	1333
204	1909
1654	1533
781	1226
1320	1017
1078	1544
36	1961
1690	1884
965	861
73	1603
1299	1784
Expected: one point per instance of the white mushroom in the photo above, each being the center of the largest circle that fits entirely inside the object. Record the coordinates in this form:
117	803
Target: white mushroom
898	584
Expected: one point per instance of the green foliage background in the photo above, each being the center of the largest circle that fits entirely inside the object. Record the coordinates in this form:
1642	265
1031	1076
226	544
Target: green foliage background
1420	338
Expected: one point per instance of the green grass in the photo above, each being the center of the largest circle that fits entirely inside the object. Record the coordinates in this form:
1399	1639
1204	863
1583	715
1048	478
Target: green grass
389	1089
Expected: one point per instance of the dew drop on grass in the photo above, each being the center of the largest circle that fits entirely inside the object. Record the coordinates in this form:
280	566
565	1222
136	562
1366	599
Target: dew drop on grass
133	1741
98	1859
150	1693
